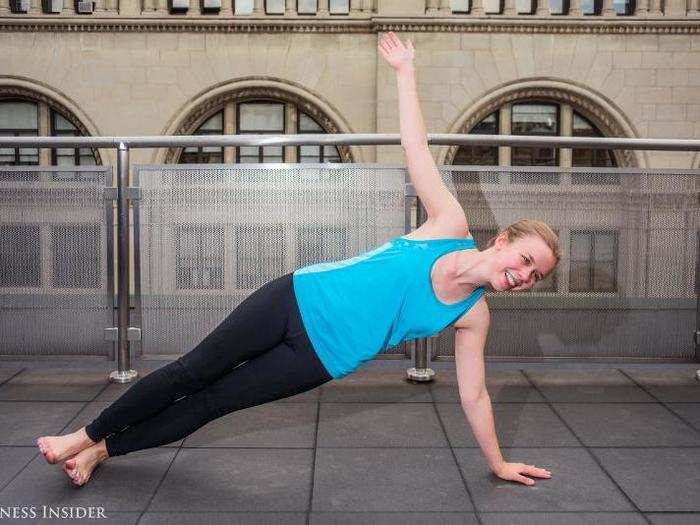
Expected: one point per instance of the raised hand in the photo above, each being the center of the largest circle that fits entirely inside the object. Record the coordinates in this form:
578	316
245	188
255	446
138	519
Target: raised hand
395	52
514	471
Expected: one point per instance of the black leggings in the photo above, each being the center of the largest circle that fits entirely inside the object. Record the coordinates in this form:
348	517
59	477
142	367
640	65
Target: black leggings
259	353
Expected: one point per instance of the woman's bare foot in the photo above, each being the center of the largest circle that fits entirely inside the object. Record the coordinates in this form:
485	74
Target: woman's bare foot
80	467
58	448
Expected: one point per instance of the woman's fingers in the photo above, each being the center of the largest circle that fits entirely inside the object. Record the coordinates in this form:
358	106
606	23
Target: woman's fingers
524	480
536	471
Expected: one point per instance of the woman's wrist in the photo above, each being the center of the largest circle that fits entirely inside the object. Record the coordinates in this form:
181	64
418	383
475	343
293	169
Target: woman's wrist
406	69
497	467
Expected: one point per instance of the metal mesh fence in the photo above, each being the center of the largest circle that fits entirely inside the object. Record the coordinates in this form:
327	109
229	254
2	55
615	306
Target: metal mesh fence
54	286
625	285
209	236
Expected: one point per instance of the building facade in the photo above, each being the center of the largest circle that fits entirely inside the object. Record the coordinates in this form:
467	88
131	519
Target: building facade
533	67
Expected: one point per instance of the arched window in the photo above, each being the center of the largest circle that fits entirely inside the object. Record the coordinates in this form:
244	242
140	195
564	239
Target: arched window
542	118
21	117
260	117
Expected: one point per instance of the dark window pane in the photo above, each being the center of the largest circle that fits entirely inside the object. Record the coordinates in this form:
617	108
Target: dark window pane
624	7
308	124
317	244
590	157
581	248
603	277
579	277
591	7
76	255
593	261
20	255
259	254
200	257
214	125
480	155
534	119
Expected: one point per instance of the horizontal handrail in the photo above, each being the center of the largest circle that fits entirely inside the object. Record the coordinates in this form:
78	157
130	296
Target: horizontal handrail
352	139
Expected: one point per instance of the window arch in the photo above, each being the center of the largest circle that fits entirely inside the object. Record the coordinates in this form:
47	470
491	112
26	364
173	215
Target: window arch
535	117
28	114
244	112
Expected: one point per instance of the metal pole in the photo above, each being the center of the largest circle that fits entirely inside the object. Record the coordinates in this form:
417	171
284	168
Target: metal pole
420	372
123	374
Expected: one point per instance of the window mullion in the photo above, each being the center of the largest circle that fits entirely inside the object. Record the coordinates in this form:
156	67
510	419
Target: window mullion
44	129
289	154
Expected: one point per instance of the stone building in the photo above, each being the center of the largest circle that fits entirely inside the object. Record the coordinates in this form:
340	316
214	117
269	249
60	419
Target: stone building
559	68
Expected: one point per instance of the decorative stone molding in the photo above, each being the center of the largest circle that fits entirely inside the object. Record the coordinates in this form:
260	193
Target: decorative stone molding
25	93
202	111
599	116
299	24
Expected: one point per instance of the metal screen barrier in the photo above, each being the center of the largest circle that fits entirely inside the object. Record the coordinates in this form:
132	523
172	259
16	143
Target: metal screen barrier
209	235
55	244
630	243
625	285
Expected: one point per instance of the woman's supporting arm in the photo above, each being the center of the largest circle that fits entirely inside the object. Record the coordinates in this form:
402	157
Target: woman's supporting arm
436	198
470	340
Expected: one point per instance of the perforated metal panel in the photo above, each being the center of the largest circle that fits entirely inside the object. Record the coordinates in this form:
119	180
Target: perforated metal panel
625	286
210	235
54	286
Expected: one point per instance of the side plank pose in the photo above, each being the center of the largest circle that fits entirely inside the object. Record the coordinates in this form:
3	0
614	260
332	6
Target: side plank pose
323	321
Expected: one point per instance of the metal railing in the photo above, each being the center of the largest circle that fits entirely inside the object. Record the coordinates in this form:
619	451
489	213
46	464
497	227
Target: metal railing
124	373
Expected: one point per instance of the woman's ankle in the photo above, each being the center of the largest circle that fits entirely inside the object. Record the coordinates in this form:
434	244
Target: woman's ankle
85	438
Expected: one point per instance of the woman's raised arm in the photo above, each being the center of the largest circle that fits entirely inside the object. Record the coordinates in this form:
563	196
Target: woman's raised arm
440	204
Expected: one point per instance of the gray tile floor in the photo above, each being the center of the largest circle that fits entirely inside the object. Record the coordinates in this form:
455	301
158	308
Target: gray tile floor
622	441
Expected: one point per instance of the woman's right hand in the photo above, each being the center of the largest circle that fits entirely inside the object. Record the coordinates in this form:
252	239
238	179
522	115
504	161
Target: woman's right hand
395	52
515	471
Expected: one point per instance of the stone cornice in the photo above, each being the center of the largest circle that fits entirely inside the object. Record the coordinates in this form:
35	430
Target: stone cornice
457	24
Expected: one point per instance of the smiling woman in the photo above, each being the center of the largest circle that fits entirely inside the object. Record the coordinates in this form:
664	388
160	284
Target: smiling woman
322	321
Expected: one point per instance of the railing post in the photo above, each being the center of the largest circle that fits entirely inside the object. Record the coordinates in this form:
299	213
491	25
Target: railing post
123	374
420	371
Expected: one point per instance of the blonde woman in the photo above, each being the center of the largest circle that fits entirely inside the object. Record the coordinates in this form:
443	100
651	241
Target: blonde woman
321	322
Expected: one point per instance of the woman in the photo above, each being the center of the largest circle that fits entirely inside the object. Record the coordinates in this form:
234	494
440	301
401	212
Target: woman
322	321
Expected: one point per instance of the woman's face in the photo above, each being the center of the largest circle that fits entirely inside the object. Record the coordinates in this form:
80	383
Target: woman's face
518	265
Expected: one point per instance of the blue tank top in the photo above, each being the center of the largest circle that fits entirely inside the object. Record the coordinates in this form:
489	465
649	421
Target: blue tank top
355	308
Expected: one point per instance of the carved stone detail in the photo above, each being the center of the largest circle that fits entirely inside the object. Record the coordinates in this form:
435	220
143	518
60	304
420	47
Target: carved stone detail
600	118
197	116
17	92
353	25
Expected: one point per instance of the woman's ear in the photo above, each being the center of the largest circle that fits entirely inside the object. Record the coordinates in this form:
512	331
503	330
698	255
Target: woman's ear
501	240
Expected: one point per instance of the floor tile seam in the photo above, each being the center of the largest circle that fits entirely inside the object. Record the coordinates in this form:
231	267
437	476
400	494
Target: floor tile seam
13	376
663	403
590	453
38	452
313	465
465	484
160	483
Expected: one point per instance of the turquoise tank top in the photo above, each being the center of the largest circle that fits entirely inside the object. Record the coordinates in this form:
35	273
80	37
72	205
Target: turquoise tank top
355	308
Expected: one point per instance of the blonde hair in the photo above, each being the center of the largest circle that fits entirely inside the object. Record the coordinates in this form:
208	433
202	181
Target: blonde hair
525	227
